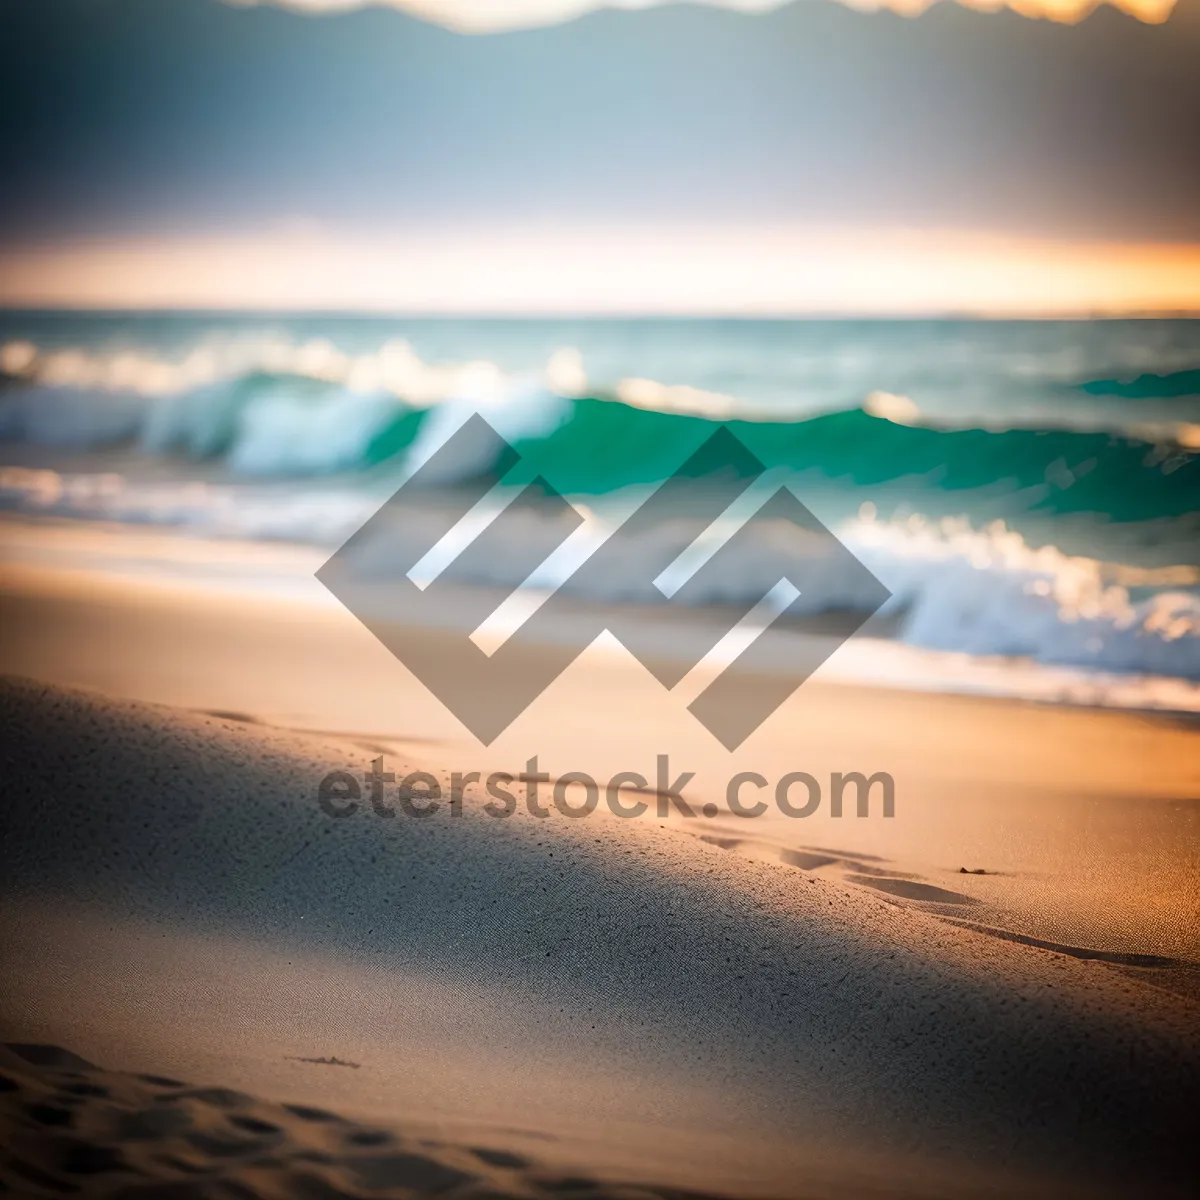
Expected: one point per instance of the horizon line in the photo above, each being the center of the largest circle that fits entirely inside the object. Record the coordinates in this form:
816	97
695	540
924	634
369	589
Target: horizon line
468	314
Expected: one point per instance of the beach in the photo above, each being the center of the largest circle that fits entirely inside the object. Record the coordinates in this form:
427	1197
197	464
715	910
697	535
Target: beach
722	1005
358	763
599	600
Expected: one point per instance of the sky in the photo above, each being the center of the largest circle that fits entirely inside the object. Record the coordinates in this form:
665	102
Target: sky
514	155
487	16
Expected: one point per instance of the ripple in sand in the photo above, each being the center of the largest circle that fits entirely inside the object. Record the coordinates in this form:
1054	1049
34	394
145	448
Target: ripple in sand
128	1147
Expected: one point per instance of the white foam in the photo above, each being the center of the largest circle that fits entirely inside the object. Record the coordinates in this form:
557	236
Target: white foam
272	405
984	593
515	408
989	593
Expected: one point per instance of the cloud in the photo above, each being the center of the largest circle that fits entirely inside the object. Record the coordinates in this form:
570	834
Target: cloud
494	16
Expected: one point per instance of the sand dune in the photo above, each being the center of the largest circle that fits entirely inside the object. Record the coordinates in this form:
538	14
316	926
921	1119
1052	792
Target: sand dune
620	997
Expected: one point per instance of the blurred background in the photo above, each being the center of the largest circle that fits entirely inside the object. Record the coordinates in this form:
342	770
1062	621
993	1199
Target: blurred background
939	266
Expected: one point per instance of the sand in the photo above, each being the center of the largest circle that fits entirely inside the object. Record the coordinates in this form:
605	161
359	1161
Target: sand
1086	821
622	998
68	1124
718	1006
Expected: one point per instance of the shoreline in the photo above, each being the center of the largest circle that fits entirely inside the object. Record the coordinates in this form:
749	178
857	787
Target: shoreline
64	557
1082	831
996	991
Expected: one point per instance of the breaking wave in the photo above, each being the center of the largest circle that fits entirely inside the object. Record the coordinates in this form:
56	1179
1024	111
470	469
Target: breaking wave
277	410
305	441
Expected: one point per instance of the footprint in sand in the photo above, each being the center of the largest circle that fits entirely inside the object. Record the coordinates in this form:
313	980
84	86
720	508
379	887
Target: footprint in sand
908	889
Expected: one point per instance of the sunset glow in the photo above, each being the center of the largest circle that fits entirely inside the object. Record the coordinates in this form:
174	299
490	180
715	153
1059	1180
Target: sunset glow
700	270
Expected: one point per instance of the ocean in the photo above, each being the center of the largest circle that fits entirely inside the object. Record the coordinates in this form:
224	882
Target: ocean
1029	492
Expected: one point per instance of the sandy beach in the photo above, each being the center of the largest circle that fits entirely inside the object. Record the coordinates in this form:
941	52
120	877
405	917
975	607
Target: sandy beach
720	1005
600	600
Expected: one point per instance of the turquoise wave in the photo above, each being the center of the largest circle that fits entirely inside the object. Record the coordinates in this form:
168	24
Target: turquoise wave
284	425
603	445
1174	385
